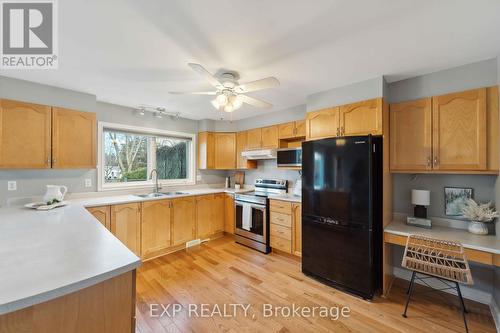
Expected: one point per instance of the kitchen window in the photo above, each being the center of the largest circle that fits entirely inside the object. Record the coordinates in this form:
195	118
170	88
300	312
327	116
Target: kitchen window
128	154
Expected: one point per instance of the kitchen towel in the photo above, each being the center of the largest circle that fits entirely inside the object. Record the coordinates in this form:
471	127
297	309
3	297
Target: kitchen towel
247	217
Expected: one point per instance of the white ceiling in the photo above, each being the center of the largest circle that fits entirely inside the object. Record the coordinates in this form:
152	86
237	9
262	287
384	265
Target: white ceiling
133	52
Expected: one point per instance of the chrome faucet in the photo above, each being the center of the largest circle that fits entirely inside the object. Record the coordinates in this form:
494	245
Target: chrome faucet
157	188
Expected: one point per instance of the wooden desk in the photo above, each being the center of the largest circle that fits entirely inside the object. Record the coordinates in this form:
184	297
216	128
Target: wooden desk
481	249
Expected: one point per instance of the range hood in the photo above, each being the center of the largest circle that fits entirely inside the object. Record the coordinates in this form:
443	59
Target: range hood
262	154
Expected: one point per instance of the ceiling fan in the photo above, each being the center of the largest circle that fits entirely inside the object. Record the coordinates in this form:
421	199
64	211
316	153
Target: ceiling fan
229	94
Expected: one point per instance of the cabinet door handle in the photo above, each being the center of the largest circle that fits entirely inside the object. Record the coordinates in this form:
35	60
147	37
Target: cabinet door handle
54	161
429	162
48	160
436	161
342	130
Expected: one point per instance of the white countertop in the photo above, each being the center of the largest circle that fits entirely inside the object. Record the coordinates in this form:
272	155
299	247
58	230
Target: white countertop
487	243
48	254
287	197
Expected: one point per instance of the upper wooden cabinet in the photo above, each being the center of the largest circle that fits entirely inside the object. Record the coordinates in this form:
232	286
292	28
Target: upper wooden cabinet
206	150
225	151
459	131
216	150
25	135
73	139
361	118
155	226
411	135
102	214
241	145
451	133
254	138
126	225
183	220
292	130
322	124
270	137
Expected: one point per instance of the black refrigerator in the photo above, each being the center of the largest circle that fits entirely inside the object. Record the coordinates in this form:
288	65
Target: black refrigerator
342	213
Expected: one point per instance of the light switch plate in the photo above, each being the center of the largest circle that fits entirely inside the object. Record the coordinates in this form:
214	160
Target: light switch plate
88	182
11	185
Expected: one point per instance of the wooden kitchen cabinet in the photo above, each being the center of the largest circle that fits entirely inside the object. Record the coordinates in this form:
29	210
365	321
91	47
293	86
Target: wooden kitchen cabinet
361	118
204	205
155	227
225	151
322	124
292	130
73	139
270	137
218	213
229	213
126	225
297	229
206	150
183	220
254	138
241	145
102	214
411	135
459	131
25	135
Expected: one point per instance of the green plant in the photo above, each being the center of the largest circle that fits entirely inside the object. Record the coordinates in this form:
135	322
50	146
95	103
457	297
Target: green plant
136	174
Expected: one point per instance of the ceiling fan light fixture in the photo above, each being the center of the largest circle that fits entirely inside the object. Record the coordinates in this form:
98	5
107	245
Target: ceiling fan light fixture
229	107
221	99
235	100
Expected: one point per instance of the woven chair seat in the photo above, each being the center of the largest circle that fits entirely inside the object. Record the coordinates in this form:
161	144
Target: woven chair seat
439	258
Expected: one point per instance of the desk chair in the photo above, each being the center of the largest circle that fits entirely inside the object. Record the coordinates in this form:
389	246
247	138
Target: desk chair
440	259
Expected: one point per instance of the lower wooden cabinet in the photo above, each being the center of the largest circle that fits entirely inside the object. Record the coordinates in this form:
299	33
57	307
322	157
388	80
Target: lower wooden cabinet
209	215
102	214
183	220
229	213
126	225
155	227
286	226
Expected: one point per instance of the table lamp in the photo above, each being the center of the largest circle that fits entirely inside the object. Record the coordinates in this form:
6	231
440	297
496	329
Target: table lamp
420	199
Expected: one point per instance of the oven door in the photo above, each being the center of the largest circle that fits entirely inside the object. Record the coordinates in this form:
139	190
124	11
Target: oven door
251	221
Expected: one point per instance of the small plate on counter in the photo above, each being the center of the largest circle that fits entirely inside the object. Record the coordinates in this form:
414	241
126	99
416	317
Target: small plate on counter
44	206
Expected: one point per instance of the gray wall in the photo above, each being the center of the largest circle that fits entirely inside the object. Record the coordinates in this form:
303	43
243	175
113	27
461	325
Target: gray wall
268	169
32	182
347	94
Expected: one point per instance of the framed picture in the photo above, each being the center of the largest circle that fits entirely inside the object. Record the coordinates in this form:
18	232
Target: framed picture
455	199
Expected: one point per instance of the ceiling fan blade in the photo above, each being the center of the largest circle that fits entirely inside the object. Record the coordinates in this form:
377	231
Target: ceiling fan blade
193	93
201	70
255	102
268	82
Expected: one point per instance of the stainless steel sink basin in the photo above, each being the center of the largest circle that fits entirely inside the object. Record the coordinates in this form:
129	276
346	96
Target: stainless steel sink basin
151	195
159	194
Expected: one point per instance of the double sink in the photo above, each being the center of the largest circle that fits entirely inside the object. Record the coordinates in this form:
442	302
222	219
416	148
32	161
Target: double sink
160	194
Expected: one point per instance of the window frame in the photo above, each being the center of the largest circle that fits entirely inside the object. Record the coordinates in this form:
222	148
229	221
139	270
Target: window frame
103	186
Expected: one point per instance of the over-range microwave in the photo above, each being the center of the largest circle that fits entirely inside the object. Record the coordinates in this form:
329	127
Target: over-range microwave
289	157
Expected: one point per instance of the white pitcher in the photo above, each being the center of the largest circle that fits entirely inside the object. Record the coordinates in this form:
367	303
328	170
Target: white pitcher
54	192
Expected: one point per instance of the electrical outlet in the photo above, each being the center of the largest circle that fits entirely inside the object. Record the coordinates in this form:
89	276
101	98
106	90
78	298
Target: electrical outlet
88	182
11	185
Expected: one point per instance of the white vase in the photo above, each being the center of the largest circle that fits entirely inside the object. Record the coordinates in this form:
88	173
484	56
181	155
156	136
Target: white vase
478	228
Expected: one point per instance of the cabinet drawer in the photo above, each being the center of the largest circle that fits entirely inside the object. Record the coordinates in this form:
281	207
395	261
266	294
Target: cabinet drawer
279	206
281	231
281	219
282	244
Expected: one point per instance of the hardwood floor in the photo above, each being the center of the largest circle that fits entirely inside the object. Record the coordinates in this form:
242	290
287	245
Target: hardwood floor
222	272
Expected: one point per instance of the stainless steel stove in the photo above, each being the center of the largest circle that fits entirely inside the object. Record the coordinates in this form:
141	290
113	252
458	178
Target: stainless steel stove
252	213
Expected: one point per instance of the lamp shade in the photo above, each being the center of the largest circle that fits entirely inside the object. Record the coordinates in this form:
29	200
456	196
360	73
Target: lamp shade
420	197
